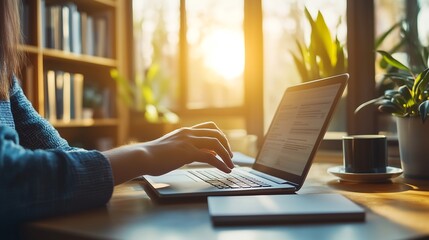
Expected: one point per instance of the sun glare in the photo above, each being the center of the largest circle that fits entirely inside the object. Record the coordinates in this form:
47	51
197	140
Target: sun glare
224	53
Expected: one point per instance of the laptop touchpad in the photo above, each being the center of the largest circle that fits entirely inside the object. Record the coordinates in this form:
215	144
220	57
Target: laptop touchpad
175	178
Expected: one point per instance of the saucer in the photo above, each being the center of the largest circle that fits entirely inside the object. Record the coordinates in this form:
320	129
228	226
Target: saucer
339	171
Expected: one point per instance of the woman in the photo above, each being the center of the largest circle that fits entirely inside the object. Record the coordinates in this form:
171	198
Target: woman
41	175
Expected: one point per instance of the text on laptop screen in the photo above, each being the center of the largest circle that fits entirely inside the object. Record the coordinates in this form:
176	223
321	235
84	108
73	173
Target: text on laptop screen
296	127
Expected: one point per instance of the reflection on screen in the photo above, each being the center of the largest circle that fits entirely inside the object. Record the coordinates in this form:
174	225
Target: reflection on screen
296	127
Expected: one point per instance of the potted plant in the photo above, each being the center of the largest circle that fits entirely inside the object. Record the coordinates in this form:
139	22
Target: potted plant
409	103
404	95
144	96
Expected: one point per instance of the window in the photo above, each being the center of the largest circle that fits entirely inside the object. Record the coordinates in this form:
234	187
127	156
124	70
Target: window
209	50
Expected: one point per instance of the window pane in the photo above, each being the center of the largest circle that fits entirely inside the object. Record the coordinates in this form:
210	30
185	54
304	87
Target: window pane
284	22
422	22
387	14
156	40
216	53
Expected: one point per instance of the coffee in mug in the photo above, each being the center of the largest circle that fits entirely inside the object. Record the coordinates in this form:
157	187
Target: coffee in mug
365	153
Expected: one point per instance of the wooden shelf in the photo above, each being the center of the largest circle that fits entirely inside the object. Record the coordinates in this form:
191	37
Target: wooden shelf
86	123
72	57
60	55
28	48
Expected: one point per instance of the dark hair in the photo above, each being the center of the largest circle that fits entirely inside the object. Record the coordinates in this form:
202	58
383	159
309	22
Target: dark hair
10	36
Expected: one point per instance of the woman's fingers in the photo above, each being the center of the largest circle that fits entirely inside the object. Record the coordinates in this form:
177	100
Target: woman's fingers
210	158
213	144
221	135
213	134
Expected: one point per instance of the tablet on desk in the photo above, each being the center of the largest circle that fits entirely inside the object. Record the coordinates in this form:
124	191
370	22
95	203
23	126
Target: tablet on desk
263	209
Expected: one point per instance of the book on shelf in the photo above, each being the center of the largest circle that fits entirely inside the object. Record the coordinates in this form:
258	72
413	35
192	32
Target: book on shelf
29	82
77	88
66	22
51	98
87	34
67	97
53	27
59	94
76	29
100	36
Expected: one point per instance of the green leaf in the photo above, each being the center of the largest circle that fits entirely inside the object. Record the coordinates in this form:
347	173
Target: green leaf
421	84
400	100
424	110
386	106
321	47
317	44
341	63
392	61
406	94
326	38
390	93
367	103
425	54
300	65
389	108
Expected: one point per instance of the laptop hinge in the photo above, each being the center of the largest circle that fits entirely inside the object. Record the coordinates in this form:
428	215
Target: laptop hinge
272	178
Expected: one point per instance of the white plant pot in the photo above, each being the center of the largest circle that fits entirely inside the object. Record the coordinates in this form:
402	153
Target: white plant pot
413	138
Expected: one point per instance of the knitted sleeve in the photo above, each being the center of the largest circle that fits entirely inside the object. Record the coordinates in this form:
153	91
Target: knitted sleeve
40	183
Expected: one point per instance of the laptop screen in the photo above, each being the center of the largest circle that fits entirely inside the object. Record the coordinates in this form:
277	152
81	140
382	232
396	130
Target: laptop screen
299	124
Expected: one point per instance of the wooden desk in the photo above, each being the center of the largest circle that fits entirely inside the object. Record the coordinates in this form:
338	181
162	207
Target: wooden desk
396	210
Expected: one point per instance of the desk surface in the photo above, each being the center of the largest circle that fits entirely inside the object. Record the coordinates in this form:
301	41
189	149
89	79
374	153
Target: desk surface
396	210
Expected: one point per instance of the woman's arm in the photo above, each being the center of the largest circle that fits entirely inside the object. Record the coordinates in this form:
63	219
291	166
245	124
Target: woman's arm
40	183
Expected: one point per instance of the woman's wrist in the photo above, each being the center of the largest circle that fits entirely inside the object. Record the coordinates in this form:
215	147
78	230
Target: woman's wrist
127	162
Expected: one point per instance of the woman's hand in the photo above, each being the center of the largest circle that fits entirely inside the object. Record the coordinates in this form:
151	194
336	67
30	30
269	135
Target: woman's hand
200	143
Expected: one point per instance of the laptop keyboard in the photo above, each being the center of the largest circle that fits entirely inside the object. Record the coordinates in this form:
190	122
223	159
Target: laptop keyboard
223	180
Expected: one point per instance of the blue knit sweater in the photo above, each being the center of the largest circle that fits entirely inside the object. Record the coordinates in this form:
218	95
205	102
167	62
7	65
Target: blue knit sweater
40	174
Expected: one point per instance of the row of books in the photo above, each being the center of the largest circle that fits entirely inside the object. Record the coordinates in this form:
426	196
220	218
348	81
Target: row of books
68	97
63	96
68	29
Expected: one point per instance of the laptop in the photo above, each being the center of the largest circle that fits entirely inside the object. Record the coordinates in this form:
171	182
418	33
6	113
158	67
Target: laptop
285	157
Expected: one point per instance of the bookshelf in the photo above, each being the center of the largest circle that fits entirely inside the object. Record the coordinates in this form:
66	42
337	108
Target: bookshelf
70	47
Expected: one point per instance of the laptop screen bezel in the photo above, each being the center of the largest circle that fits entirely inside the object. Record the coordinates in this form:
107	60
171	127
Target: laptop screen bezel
298	180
